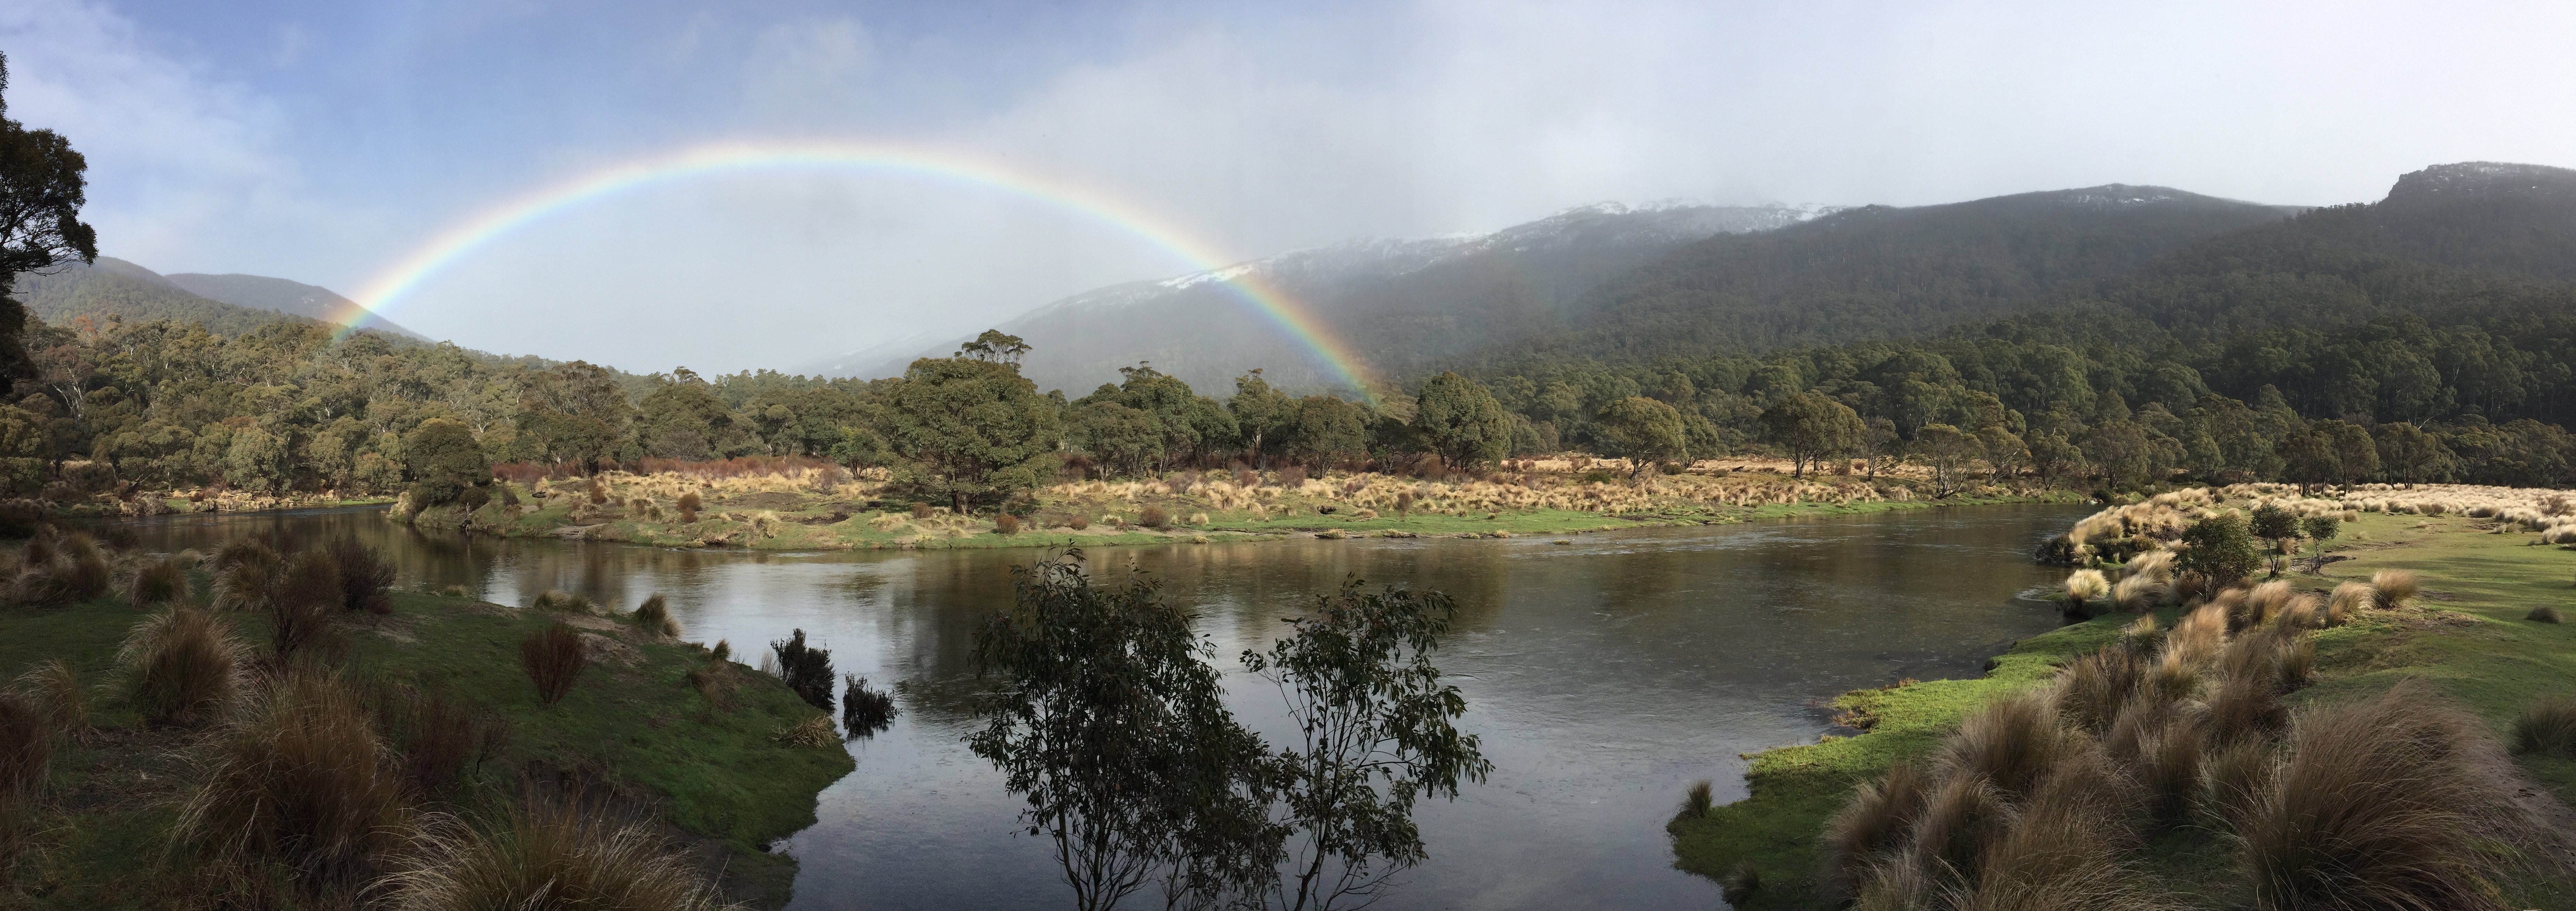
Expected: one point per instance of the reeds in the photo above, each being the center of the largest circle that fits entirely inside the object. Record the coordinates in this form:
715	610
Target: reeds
654	616
2547	727
297	779
1697	799
181	667
545	854
2379	804
553	658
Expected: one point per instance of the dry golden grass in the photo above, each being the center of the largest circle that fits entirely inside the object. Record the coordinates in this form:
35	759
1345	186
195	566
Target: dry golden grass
544	854
299	781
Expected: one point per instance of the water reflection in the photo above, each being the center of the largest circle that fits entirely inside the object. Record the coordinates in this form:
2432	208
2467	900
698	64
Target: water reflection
1604	675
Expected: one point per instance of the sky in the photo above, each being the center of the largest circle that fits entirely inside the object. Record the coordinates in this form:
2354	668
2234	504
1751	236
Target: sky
332	142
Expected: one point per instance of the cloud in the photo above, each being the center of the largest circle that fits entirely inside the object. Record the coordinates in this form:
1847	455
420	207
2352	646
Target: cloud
806	69
185	173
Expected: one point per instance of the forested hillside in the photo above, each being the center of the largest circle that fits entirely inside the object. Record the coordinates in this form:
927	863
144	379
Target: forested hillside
260	292
1879	271
114	287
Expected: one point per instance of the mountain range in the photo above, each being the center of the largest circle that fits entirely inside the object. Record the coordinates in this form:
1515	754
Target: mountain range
226	304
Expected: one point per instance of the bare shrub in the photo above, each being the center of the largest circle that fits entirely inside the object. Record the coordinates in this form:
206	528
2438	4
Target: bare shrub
2380	804
438	738
181	667
545	854
554	659
805	669
297	779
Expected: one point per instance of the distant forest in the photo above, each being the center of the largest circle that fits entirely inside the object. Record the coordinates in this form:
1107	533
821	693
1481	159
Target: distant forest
2425	338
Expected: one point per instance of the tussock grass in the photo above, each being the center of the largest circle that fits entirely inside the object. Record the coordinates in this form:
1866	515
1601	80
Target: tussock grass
1873	826
301	611
2348	601
2012	742
26	747
181	667
296	780
2395	587
812	732
366	577
654	616
1696	800
2234	777
544	854
2083	587
553	658
2544	613
2547	727
2092	689
2379	804
2139	594
54	688
157	582
555	600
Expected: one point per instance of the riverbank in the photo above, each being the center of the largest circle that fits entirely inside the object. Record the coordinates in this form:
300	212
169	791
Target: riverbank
2467	635
823	509
652	726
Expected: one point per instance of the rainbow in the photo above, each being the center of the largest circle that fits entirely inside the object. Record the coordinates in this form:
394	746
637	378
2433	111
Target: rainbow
390	288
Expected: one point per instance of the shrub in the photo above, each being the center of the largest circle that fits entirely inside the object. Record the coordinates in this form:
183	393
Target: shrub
2380	804
722	652
1873	825
864	711
2547	727
553	658
921	510
158	582
689	505
2218	547
1006	523
1153	517
1403	502
438	738
805	669
1078	523
2542	614
180	667
654	616
545	854
299	780
2395	587
26	747
366	578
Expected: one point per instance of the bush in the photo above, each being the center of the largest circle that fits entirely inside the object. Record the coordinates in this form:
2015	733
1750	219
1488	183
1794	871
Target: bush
2547	727
1153	517
1006	523
180	667
865	711
553	658
654	615
806	670
2218	547
1078	523
366	578
689	505
300	781
2381	804
2542	614
545	854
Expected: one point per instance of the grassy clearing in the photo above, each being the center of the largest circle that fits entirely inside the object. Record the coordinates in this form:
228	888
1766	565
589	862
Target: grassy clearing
651	722
2466	636
816	509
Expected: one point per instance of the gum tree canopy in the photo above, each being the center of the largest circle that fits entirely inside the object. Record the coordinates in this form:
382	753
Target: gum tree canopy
42	187
970	428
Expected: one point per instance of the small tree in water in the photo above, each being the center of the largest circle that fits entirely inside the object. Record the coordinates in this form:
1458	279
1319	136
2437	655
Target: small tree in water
1110	724
1378	732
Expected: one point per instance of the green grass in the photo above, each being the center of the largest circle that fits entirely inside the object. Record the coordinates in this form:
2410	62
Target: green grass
2468	637
712	770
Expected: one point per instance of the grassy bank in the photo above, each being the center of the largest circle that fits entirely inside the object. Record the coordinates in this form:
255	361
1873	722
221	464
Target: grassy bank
823	509
635	729
2467	636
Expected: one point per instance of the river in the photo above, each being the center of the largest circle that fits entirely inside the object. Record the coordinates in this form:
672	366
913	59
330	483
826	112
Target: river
1604	674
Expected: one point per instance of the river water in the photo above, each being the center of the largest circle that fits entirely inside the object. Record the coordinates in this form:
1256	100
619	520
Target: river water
1604	674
